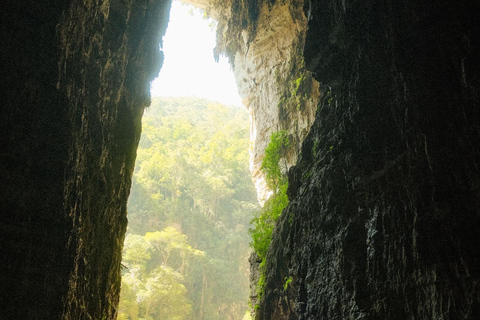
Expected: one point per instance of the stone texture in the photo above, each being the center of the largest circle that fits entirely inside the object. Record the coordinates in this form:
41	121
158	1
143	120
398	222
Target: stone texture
254	260
264	42
384	212
275	86
76	76
109	54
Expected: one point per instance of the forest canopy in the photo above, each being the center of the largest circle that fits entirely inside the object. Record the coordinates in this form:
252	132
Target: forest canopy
187	245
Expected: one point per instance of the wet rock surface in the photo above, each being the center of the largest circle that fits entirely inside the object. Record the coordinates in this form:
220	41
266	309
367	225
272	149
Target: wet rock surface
384	213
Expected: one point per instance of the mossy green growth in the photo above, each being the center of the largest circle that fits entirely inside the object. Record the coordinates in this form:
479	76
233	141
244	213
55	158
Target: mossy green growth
261	282
307	174
287	282
270	164
263	225
315	147
297	83
291	216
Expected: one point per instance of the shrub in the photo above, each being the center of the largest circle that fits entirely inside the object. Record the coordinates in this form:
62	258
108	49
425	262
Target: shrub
263	225
270	163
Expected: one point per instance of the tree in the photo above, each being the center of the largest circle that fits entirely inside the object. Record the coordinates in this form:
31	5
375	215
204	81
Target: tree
168	240
192	198
164	296
150	290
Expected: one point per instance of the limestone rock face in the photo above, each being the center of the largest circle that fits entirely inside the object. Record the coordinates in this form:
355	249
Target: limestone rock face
264	42
384	200
384	214
274	84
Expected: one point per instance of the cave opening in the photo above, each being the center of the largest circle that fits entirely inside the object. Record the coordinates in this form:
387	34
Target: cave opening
192	197
384	212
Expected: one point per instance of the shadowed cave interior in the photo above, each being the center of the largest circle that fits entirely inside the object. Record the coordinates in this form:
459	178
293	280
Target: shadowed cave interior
384	183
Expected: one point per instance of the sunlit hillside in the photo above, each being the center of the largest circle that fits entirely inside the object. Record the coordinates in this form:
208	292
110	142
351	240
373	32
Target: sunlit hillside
186	251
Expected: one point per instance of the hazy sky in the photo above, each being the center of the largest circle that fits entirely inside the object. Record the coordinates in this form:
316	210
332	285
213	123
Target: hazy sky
189	67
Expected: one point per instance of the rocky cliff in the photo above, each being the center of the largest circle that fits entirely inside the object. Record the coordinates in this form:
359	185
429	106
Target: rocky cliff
264	43
34	137
273	82
384	201
76	79
384	214
109	53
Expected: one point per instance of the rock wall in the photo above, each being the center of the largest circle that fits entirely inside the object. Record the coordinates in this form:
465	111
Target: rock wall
109	55
384	214
278	91
384	206
34	142
264	43
76	79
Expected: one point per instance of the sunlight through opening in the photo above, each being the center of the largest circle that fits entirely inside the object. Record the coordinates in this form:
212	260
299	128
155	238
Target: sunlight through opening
189	67
186	249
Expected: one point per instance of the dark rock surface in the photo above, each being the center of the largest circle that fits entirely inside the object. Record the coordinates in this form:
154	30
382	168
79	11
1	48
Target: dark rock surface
34	144
75	79
385	199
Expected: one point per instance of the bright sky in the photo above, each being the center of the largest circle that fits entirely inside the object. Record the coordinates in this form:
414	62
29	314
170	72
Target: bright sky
189	68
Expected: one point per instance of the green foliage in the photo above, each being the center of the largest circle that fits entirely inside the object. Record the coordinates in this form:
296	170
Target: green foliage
171	240
263	225
270	163
136	250
261	287
247	316
150	289
298	83
189	208
262	231
330	97
287	282
261	283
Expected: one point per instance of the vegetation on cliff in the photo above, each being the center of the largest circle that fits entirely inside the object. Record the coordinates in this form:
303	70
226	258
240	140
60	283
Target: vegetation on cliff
191	202
263	225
